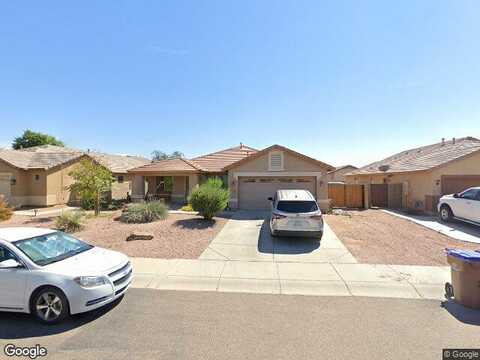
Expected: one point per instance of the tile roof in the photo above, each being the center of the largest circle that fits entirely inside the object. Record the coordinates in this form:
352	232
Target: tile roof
282	148
49	156
170	165
217	161
33	160
118	163
423	158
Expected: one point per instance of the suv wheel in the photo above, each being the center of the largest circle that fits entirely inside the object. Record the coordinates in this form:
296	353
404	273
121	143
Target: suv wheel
49	305
446	213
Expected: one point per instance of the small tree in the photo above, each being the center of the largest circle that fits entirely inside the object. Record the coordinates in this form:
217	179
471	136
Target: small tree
32	138
160	155
210	198
92	180
5	211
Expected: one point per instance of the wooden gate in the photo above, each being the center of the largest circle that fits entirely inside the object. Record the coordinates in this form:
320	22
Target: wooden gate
354	196
395	193
379	195
346	195
336	192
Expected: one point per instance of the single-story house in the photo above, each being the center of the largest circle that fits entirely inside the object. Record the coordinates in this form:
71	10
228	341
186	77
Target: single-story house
338	174
416	178
38	176
251	175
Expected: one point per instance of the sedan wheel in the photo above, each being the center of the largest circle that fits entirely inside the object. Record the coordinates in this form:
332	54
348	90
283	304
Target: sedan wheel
50	306
445	214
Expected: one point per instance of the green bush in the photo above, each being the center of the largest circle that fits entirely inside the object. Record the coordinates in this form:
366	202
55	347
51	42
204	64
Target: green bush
5	211
144	212
70	221
210	198
87	202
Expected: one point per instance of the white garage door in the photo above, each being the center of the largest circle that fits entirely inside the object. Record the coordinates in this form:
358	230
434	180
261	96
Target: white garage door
253	192
5	186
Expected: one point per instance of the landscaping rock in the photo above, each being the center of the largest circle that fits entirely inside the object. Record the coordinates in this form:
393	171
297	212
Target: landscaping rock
139	236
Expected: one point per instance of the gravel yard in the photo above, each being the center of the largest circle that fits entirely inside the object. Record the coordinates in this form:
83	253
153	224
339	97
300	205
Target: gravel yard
179	236
375	237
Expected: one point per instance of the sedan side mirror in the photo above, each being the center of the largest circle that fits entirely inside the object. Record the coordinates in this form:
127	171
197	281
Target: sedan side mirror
455	195
270	198
10	264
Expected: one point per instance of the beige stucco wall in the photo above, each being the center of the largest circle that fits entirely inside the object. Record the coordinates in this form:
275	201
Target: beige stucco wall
467	166
58	181
292	166
415	185
121	190
419	184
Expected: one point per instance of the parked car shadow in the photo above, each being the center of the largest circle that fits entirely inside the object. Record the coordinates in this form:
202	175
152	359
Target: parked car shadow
20	326
462	313
195	223
284	245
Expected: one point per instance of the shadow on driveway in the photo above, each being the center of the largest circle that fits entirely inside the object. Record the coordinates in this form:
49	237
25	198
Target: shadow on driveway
284	245
20	326
462	313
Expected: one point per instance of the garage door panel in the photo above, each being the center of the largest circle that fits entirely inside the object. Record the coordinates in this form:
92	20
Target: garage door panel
254	192
457	183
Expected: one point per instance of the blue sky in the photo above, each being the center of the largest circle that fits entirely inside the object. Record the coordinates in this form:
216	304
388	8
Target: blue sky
343	81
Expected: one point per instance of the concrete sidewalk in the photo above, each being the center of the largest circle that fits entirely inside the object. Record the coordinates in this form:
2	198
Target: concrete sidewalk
299	278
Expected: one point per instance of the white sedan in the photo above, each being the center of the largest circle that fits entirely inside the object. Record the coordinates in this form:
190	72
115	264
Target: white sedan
51	275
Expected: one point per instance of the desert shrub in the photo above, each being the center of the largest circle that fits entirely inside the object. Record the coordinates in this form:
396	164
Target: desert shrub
144	212
210	198
187	207
113	204
70	221
5	211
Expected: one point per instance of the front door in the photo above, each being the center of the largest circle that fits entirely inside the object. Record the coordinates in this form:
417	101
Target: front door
12	284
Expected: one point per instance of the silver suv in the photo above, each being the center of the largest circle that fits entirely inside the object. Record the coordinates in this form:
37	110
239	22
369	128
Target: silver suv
295	213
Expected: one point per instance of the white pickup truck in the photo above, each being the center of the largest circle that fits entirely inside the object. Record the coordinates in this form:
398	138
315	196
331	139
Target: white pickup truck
464	206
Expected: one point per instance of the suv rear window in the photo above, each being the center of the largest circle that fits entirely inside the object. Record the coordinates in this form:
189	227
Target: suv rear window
297	206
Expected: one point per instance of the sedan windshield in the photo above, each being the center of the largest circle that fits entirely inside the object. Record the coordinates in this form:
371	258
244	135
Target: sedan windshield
49	248
297	206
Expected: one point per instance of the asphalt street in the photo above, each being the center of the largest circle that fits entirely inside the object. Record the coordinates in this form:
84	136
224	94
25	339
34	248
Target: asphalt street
154	324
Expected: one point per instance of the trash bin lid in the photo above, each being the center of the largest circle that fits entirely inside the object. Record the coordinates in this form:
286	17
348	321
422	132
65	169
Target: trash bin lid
467	255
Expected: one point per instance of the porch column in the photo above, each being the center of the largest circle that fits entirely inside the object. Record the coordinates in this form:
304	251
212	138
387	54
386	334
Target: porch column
138	187
193	183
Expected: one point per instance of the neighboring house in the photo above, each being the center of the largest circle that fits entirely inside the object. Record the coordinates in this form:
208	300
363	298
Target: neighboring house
39	176
416	178
338	175
251	175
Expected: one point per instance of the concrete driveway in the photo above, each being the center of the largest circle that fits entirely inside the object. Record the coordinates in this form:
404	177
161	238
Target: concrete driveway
246	237
455	229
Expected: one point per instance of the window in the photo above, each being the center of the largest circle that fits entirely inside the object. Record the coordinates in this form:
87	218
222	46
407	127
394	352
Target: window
471	194
120	179
297	206
276	161
6	254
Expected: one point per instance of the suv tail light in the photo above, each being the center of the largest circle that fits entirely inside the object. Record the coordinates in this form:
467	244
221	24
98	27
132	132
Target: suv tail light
277	216
316	217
